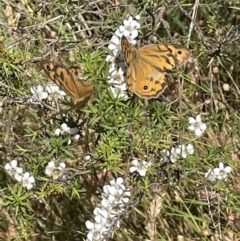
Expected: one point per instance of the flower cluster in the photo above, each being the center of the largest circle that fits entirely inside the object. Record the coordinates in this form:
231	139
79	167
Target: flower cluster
129	29
39	93
196	125
65	129
16	172
115	198
218	173
177	153
55	172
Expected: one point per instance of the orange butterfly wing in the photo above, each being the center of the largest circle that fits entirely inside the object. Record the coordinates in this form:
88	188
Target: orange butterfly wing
68	80
146	69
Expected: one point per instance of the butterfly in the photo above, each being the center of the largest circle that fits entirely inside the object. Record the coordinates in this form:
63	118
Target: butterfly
146	66
69	80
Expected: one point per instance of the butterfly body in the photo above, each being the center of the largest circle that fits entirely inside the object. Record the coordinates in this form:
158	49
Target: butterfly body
146	66
69	80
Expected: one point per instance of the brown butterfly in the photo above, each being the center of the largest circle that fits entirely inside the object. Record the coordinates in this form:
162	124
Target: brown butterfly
146	66
69	80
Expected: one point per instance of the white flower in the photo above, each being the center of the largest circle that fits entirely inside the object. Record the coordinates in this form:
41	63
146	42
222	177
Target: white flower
53	88
11	166
119	91
185	150
119	86
13	170
53	171
101	215
220	173
137	17
139	166
165	154
116	75
65	128
28	180
115	45
38	94
196	125
61	167
117	68
19	174
96	231
110	58
130	28
174	154
57	132
182	151
210	175
76	137
87	158
50	168
115	198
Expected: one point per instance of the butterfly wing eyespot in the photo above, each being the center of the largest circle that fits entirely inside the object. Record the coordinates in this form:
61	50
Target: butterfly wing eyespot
146	66
68	79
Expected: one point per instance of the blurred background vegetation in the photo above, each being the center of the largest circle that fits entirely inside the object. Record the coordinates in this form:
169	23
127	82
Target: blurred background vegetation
113	131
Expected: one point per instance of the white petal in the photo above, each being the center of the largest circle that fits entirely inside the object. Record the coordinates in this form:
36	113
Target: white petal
198	118
190	149
191	128
109	58
13	163
89	225
198	132
191	120
228	169
65	127
221	165
87	157
203	126
132	169
76	137
31	179
142	172
118	33
112	46
57	132
216	171
43	95
137	17
134	34
62	165
19	170
7	166
122	28
119	180
135	162
26	175
18	177
51	164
